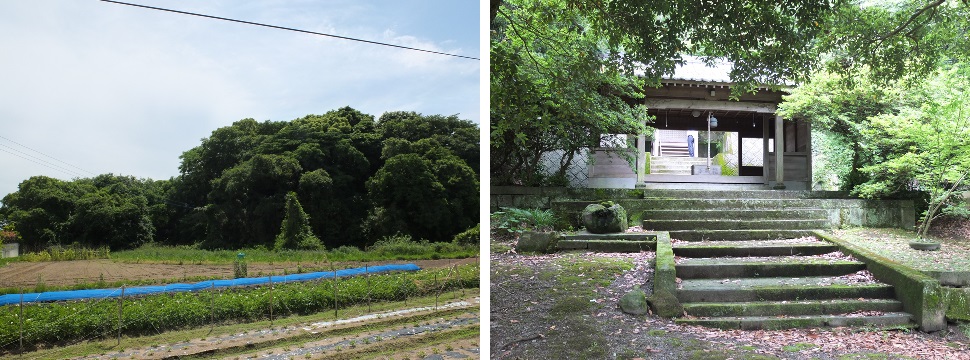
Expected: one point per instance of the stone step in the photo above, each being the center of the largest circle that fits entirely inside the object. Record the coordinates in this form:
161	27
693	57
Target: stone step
752	267
630	236
720	223
779	214
733	235
622	246
741	194
677	159
791	308
702	249
670	172
777	323
671	165
778	289
726	204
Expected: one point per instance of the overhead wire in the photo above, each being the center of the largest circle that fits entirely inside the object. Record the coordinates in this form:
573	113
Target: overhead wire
45	155
291	29
39	162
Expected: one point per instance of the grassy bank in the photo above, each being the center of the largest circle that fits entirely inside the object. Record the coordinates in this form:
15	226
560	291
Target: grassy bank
389	250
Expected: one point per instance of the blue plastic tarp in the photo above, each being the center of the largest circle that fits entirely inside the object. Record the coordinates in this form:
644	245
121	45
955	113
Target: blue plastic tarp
202	285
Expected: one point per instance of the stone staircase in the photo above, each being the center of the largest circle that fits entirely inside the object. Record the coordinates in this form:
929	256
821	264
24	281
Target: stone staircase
745	261
674	163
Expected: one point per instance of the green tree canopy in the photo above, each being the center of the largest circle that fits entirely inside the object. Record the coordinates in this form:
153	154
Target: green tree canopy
234	188
295	232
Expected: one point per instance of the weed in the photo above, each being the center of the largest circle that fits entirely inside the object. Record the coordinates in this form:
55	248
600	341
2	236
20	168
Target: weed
515	220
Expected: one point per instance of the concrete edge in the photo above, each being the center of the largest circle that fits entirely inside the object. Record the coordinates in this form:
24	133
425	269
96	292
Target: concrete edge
957	303
606	245
920	294
665	274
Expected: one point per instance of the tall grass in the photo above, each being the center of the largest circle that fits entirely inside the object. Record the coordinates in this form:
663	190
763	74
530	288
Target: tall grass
394	248
515	220
58	253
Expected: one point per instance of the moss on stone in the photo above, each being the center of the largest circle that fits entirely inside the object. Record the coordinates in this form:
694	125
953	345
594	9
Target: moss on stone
665	275
539	242
665	304
922	296
635	302
957	303
619	245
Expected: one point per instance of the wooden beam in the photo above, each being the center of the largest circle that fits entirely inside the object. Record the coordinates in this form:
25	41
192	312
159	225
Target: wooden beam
709	105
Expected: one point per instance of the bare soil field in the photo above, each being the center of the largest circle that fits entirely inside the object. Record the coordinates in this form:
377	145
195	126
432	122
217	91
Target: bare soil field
65	273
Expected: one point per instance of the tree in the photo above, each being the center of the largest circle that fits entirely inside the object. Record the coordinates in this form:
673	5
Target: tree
843	105
562	72
295	232
247	201
423	190
907	135
234	188
41	210
890	40
925	146
460	136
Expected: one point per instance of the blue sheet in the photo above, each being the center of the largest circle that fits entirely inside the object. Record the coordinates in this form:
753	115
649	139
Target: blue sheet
202	285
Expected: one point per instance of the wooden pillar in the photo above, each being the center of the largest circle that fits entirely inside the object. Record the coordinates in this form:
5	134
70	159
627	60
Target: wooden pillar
779	153
641	157
764	147
808	149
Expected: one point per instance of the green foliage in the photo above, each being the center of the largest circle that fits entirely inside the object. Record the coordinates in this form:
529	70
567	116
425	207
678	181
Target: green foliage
909	135
548	92
67	322
232	189
295	233
727	169
403	247
240	270
420	250
425	191
515	220
58	253
888	40
831	160
563	73
470	237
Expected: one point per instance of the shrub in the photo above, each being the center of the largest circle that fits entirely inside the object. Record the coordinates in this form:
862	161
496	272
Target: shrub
469	237
516	220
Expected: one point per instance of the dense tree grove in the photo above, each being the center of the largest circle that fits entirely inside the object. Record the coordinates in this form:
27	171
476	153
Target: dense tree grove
358	179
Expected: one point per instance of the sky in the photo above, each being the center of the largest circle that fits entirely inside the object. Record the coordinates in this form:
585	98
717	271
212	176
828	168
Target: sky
90	87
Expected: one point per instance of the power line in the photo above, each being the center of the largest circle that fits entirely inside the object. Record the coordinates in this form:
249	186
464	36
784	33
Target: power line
42	163
29	157
290	29
45	155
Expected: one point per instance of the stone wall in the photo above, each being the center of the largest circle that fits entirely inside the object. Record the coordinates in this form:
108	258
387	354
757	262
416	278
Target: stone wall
843	212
